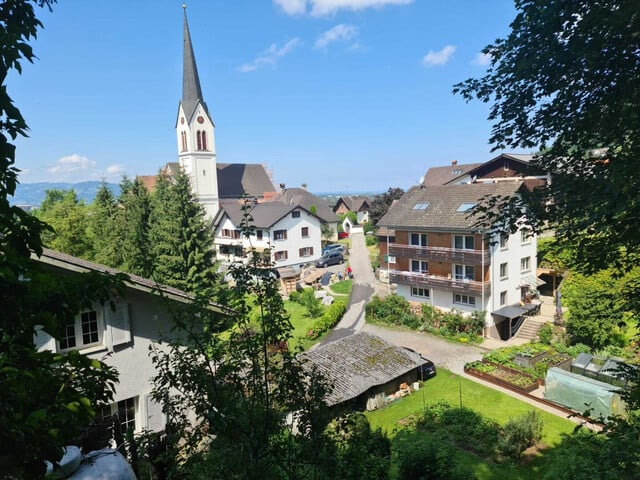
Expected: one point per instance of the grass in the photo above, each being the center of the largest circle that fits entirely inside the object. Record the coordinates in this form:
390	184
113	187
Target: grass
489	403
342	288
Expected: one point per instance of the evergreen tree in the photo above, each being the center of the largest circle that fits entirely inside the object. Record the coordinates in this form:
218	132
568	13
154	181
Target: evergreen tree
102	228
181	242
133	227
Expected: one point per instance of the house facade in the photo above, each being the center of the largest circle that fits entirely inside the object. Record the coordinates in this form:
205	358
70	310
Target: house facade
359	204
121	338
291	232
438	256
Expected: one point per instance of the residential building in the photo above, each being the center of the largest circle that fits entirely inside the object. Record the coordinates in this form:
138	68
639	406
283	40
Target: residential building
443	175
439	256
120	338
313	203
292	232
359	204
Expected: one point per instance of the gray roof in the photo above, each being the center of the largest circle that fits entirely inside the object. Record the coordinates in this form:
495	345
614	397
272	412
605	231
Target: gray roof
443	175
300	196
75	264
354	364
238	179
191	91
443	204
355	202
264	215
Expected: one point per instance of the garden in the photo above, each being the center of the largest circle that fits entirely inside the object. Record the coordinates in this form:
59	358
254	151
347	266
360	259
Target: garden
453	325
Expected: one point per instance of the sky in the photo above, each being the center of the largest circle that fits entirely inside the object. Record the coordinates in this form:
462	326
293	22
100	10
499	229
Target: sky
343	95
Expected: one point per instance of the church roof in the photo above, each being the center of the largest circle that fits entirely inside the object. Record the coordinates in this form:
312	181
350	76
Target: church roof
238	179
191	91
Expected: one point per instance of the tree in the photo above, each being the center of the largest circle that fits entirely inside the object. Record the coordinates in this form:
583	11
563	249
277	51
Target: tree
382	202
68	217
326	232
45	399
564	82
180	240
134	223
102	228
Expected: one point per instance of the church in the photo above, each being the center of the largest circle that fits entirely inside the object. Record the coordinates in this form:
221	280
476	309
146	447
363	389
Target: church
289	220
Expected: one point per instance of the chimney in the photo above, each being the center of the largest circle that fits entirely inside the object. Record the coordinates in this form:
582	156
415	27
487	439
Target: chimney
454	162
304	186
282	186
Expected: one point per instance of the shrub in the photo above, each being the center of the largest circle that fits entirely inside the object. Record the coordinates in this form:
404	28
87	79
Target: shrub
294	296
371	240
307	299
546	334
520	433
391	309
323	324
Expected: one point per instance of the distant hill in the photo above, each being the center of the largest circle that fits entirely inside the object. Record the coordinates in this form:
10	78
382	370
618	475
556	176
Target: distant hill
33	194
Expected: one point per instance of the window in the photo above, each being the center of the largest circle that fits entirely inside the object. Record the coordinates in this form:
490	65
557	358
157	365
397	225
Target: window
419	266
525	264
199	140
418	239
525	236
259	234
86	331
419	292
466	206
280	235
503	298
464	272
295	214
228	233
126	410
391	259
464	299
305	232
183	138
420	206
204	140
281	256
306	252
504	241
504	271
464	242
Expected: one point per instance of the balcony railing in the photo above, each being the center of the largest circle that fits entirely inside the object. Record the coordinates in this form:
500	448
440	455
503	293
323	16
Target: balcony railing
446	284
439	254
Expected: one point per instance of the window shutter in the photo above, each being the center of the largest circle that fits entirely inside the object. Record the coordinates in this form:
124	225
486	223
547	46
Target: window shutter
118	327
43	341
155	415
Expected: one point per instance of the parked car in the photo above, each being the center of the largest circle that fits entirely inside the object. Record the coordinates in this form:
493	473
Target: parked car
342	235
338	247
427	369
330	258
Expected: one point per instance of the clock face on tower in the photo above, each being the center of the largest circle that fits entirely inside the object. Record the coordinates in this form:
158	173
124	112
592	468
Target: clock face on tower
200	119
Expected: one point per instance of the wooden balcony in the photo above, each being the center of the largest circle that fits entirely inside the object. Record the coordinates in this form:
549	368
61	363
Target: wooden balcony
439	254
424	280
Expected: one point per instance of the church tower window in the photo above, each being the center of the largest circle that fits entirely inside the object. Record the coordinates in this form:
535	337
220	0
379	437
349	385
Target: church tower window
183	136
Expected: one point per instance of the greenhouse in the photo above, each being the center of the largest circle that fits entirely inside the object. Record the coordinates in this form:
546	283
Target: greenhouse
581	394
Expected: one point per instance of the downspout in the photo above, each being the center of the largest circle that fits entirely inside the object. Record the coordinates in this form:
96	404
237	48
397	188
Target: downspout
485	313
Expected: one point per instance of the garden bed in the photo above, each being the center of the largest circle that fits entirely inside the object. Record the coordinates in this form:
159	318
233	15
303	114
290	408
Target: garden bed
502	376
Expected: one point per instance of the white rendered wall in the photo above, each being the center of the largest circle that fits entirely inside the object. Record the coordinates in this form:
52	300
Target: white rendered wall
295	241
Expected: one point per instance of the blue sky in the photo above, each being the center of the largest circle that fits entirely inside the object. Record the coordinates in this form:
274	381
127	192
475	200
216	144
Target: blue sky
344	95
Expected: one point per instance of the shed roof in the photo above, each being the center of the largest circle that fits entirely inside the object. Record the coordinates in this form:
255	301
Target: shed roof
354	364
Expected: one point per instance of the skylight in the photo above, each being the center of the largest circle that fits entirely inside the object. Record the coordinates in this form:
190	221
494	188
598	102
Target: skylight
466	206
420	206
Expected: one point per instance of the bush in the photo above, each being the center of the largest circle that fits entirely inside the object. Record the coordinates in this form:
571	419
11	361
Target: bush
392	309
332	316
371	240
307	299
294	296
520	433
546	334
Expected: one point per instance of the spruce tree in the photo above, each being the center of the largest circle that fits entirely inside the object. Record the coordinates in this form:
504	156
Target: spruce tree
180	238
102	231
133	227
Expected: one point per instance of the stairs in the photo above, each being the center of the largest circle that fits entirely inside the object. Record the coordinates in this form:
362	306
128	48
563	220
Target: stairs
530	328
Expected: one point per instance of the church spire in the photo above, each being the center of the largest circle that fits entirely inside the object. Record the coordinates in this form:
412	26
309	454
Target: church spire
191	91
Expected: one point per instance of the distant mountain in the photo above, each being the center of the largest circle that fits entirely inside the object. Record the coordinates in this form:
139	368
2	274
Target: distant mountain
33	194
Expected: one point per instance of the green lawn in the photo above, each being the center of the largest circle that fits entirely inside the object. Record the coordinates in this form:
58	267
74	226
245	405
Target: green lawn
488	402
342	288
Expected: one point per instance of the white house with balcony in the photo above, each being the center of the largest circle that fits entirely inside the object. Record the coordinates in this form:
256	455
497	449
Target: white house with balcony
120	338
437	254
291	232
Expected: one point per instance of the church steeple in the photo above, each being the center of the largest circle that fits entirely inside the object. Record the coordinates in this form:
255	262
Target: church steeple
191	91
195	133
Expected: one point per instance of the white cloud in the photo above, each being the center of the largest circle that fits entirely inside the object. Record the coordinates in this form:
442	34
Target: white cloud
438	58
321	8
482	59
292	7
72	167
269	56
115	169
339	33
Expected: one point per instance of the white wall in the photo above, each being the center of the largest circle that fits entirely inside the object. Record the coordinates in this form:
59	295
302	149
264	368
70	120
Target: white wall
294	240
